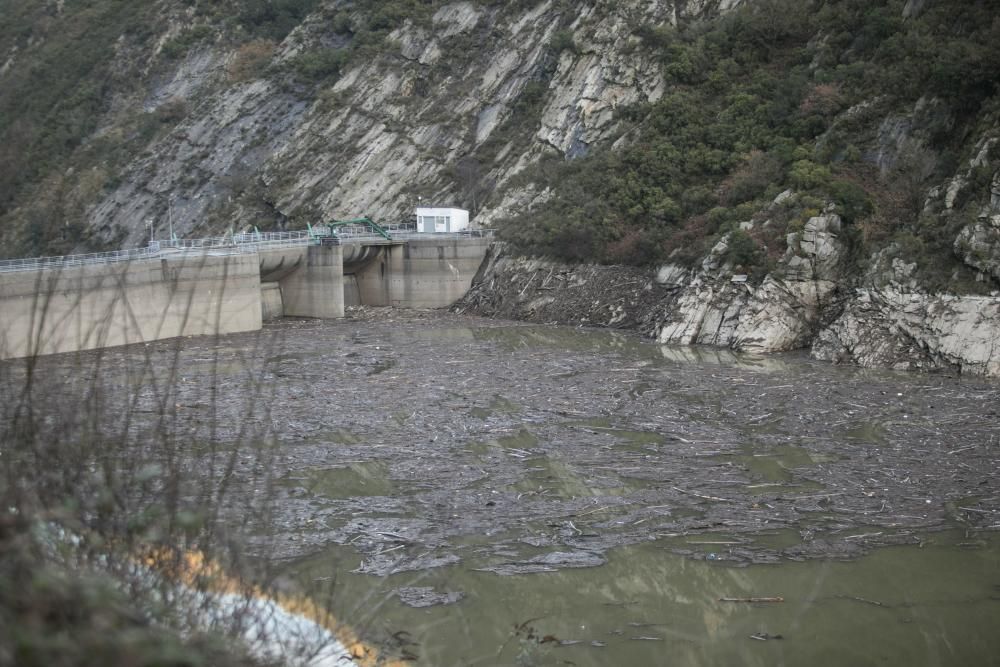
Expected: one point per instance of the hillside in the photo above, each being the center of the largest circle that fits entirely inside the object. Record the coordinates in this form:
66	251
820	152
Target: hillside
702	138
211	114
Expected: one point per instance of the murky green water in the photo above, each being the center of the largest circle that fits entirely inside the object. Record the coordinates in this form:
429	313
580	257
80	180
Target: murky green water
354	479
700	452
771	469
547	476
935	605
639	475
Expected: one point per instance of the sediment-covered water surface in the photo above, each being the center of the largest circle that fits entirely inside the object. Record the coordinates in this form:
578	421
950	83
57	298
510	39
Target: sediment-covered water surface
486	492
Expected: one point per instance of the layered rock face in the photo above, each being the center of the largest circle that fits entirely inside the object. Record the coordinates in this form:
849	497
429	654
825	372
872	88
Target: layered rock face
455	105
890	322
978	244
528	80
913	331
810	301
818	295
780	314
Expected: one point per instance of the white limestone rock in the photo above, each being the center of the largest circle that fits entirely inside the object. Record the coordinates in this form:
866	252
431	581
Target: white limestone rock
706	313
978	245
672	274
781	315
816	252
889	328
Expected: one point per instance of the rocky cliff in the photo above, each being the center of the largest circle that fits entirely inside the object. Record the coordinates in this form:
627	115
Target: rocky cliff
817	297
825	312
446	107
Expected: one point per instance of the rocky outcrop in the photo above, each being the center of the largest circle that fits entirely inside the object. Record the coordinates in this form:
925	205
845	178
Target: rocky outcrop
912	331
197	171
807	302
978	244
716	308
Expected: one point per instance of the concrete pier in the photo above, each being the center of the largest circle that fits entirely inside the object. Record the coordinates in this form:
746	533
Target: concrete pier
421	273
316	289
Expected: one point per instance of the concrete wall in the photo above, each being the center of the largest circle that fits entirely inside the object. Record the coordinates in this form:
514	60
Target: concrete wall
356	259
316	288
431	273
271	304
352	295
101	305
278	264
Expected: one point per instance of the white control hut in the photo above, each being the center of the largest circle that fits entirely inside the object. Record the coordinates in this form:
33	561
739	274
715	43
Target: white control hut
439	220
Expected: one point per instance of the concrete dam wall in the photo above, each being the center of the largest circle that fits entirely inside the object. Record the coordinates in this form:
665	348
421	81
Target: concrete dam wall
66	308
100	305
416	273
424	273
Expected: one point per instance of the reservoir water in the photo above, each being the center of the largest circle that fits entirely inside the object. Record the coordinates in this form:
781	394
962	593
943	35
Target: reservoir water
475	492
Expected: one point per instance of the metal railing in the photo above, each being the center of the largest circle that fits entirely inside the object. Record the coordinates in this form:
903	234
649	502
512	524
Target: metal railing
350	232
62	261
242	239
246	242
405	233
400	227
155	250
469	233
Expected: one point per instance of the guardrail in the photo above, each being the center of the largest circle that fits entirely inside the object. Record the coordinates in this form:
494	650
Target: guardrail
409	234
468	233
246	242
58	262
245	238
154	250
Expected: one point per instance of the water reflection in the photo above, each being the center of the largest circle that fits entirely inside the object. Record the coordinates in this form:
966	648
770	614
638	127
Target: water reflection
723	357
938	605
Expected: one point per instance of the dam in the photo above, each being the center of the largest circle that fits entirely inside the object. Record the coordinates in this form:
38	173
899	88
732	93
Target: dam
225	285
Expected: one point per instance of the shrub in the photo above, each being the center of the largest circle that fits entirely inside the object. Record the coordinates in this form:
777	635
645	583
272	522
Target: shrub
751	178
273	19
635	246
853	202
742	251
807	175
562	40
824	99
250	60
172	111
182	43
656	38
315	66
